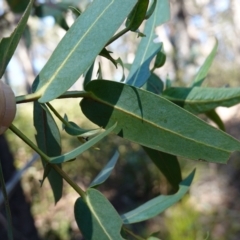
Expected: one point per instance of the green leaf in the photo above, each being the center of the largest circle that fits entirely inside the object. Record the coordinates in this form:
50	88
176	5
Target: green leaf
168	82
106	171
99	72
168	165
49	141
202	99
147	49
154	84
157	205
88	76
137	15
151	9
105	53
75	10
155	122
160	58
7	207
18	6
203	71
96	217
79	47
74	130
8	45
216	119
79	150
47	169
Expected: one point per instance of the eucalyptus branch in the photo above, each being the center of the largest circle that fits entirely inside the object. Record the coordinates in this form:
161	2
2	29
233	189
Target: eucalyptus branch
34	96
118	35
27	98
57	114
48	160
74	94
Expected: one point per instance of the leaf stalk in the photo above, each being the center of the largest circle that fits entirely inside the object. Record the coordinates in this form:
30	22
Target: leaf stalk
47	159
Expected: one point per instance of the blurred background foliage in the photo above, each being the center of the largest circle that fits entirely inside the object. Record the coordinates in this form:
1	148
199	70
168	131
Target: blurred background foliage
209	211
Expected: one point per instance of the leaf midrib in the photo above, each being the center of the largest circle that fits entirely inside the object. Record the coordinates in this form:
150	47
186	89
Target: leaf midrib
181	191
153	124
49	81
189	101
96	217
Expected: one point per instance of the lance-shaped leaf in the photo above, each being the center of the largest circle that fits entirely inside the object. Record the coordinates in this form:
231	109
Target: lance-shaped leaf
216	119
49	141
160	58
137	15
203	71
157	205
18	6
154	84
168	165
88	76
96	217
8	45
106	171
79	47
79	150
151	9
147	49
202	99
74	130
105	53
155	122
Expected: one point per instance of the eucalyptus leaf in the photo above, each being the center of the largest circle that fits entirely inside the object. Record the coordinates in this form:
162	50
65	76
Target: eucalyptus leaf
76	11
202	99
158	204
18	6
151	9
203	71
8	45
119	61
154	84
96	217
47	169
79	47
160	58
168	165
105	53
147	49
155	122
74	130
49	141
137	15
99	71
79	150
106	171
216	119
168	83
88	76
